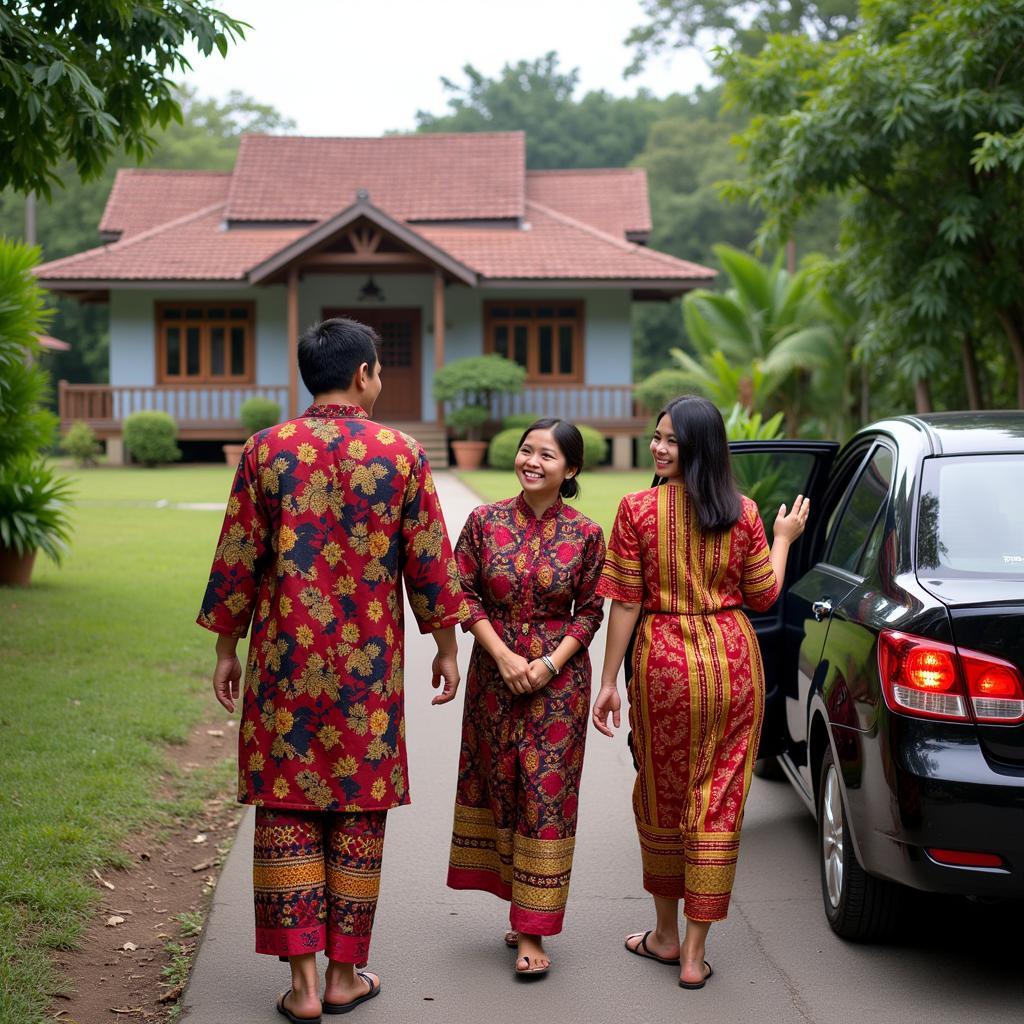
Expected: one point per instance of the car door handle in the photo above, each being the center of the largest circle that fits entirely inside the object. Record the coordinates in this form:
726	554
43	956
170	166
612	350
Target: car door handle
821	609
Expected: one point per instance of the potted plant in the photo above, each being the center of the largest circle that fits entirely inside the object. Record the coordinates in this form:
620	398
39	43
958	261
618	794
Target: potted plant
469	386
34	516
256	414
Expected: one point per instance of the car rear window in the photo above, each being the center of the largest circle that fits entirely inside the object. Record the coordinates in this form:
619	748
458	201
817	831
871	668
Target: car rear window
970	516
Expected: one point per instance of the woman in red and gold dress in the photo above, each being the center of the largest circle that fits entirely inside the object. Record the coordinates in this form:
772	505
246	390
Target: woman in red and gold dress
683	559
529	567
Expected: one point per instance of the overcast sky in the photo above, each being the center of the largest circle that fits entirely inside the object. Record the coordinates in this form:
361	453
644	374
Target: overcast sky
363	67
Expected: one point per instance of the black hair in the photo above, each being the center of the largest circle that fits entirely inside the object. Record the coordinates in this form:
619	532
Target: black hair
704	461
570	443
331	351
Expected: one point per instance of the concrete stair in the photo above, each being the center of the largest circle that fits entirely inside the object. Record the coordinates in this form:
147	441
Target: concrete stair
434	439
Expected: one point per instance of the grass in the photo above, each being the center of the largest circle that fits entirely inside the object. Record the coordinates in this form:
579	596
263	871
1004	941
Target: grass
601	489
104	667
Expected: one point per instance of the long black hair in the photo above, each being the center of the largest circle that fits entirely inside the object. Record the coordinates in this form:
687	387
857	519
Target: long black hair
570	443
704	461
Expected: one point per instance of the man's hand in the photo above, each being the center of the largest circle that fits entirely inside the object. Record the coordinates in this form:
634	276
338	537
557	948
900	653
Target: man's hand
445	666
226	680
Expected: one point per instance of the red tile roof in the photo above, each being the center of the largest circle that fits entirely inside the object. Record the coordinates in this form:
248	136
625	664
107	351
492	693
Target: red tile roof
551	245
612	199
426	177
208	230
195	247
143	199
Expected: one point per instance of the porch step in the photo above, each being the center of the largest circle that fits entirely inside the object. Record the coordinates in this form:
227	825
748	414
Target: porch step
433	438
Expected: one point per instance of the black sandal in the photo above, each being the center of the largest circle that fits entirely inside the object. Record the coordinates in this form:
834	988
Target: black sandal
333	1008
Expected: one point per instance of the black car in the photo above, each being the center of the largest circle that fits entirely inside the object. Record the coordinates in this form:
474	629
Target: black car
894	657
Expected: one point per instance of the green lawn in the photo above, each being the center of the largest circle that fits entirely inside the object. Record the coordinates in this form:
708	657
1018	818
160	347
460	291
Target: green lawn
601	489
104	670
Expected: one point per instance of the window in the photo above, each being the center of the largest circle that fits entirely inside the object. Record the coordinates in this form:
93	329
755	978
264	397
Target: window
865	505
546	338
204	342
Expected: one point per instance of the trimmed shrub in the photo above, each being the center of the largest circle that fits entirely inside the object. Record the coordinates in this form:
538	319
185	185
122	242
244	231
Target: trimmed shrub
151	437
258	413
594	447
519	421
81	444
501	453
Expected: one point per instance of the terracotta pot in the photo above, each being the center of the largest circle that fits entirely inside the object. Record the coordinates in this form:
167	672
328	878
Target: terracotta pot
15	569
233	453
469	454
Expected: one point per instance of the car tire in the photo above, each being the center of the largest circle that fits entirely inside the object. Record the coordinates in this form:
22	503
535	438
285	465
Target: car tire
858	906
769	768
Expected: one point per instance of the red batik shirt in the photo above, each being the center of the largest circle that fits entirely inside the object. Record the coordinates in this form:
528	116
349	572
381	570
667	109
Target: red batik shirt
327	514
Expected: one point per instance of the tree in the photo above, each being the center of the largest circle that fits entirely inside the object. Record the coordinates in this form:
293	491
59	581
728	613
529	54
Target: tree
536	96
80	79
916	120
675	24
206	138
757	342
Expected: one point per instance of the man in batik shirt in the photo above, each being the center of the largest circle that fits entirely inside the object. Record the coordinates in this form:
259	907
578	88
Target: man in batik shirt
327	514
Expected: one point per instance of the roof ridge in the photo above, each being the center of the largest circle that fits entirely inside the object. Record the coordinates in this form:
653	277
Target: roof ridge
586	170
170	170
121	244
630	247
386	138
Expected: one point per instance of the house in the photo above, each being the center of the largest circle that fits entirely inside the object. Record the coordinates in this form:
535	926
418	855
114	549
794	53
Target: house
445	244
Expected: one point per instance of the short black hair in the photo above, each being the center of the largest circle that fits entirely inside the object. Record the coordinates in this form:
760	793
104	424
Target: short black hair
331	351
570	443
704	460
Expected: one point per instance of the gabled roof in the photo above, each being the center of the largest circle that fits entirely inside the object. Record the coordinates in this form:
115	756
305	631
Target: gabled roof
613	199
362	209
142	199
464	203
425	177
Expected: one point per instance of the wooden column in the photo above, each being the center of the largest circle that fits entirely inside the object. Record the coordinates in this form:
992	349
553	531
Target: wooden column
439	333
293	343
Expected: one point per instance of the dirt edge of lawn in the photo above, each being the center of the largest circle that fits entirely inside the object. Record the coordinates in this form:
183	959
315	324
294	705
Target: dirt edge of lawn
135	954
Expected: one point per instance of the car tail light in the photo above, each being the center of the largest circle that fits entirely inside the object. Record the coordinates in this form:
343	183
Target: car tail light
965	858
936	680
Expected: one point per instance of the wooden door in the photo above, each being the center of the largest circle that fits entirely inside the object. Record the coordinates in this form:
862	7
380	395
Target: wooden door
400	348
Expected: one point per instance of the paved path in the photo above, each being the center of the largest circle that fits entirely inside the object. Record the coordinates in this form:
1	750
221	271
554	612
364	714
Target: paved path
441	958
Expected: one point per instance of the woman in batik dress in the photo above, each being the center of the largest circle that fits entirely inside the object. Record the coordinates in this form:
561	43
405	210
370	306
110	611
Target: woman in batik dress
683	559
529	567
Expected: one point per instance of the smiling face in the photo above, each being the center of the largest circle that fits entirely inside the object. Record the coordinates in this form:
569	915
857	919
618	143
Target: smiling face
540	465
665	449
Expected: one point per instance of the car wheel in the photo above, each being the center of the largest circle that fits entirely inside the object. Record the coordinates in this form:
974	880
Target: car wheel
858	905
769	768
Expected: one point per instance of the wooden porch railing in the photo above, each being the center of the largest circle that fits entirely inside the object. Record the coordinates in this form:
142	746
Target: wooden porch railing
200	410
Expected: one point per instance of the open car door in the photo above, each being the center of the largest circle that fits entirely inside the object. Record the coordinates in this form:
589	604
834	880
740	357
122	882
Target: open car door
772	473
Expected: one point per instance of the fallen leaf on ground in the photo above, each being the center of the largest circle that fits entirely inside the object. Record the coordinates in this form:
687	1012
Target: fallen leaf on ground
171	994
202	865
214	732
201	838
129	947
102	880
114	920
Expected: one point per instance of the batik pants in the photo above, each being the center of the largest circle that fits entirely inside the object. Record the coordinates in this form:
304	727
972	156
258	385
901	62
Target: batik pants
696	703
316	877
518	793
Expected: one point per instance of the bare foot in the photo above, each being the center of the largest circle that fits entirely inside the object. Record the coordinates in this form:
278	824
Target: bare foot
664	947
532	958
340	990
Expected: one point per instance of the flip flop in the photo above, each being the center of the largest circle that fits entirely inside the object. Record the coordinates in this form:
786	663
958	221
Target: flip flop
698	984
294	1018
647	953
512	940
334	1008
530	972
